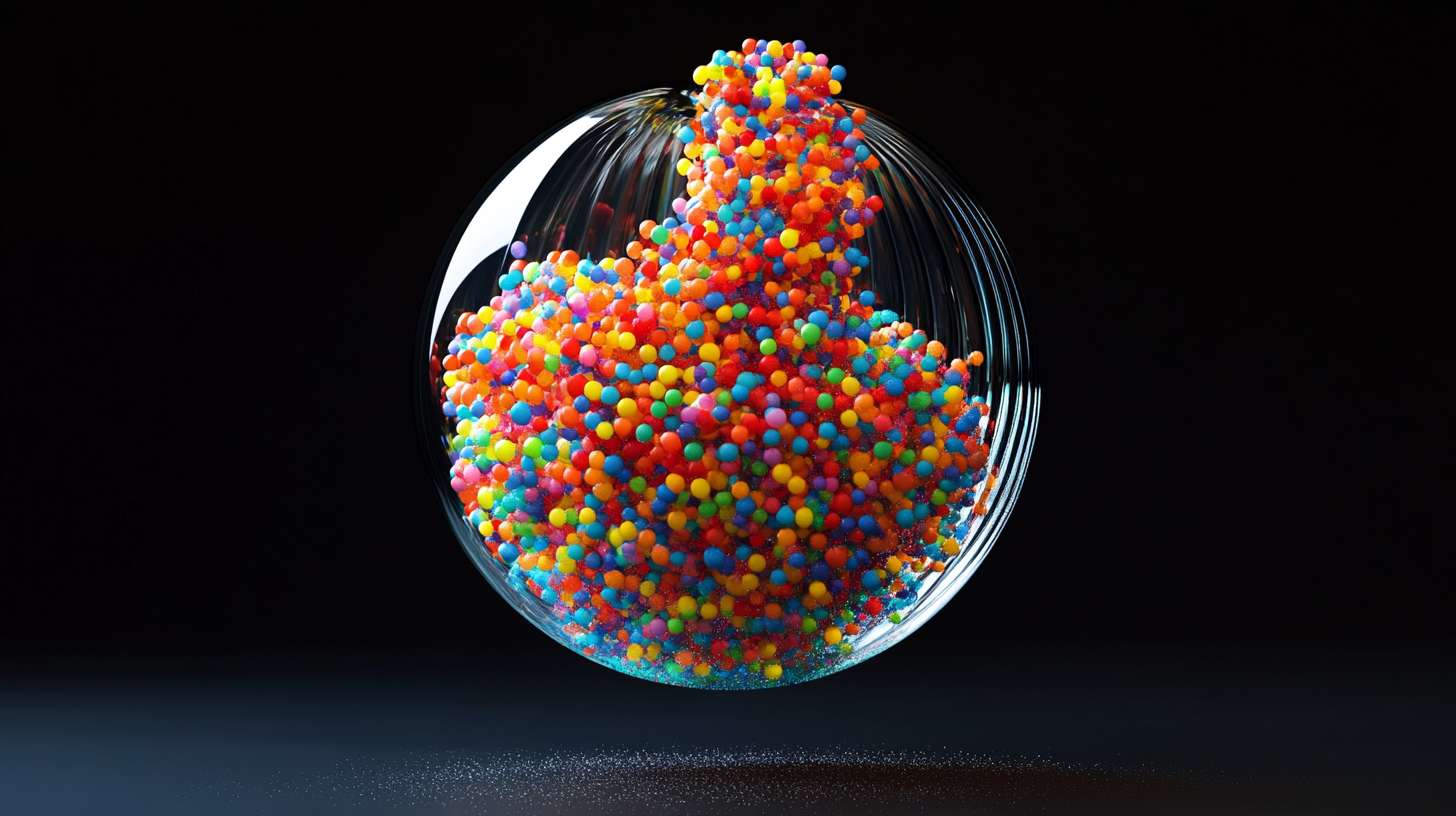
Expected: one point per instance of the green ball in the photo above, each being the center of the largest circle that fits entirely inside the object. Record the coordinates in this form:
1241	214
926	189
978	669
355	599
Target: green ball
768	346
693	452
884	450
811	334
825	402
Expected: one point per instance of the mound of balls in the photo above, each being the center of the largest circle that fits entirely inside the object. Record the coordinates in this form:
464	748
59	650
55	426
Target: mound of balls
716	460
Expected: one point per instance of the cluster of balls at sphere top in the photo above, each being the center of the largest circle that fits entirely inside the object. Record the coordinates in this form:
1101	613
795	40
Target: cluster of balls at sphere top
712	456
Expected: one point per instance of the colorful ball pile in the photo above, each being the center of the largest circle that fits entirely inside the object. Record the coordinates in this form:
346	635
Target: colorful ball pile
713	455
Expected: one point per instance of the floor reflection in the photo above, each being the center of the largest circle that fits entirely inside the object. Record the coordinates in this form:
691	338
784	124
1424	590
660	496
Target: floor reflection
1020	730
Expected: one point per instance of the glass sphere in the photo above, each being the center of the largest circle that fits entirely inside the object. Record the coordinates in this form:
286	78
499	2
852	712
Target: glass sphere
773	561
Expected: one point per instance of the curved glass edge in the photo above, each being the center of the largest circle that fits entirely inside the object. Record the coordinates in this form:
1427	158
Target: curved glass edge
1010	385
479	230
1015	404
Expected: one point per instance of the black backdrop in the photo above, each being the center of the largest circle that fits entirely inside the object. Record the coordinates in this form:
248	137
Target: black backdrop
218	232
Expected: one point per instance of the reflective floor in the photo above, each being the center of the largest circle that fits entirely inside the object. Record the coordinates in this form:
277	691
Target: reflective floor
1026	729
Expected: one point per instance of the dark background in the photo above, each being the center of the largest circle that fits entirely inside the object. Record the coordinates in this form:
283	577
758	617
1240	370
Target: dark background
1231	229
217	235
217	239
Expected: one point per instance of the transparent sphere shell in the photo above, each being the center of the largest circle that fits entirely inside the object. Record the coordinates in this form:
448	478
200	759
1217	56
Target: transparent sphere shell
935	259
